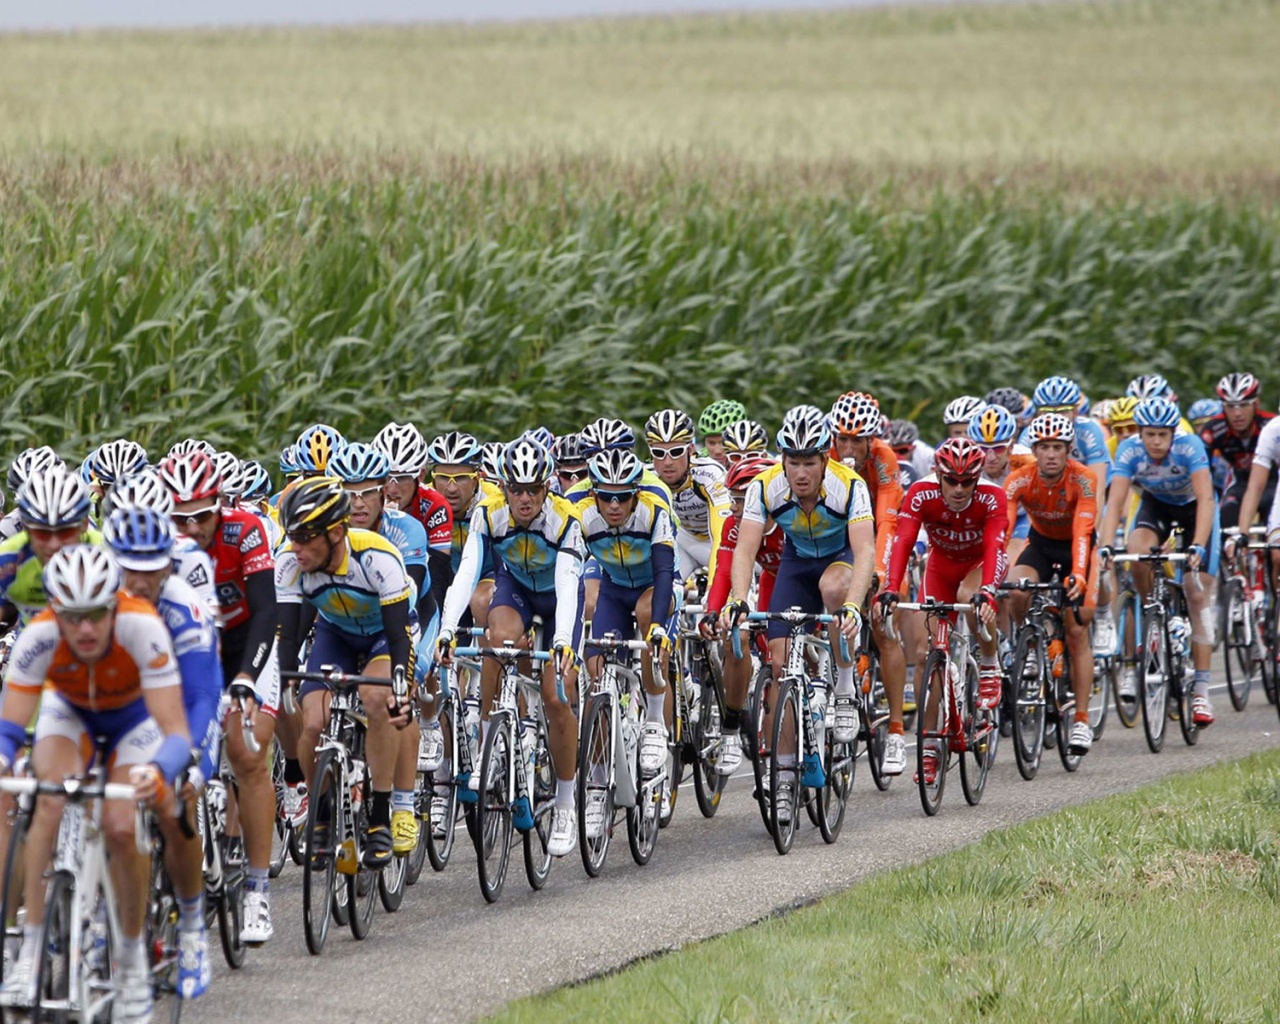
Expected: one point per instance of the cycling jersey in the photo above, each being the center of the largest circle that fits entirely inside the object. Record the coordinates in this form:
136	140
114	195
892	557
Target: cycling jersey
626	555
650	483
1089	446
191	626
1234	449
10	524
1267	450
370	576
239	550
821	532
1065	509
700	504
920	459
140	658
544	557
410	539
462	527
431	510
20	574
768	558
961	539
1168	480
194	567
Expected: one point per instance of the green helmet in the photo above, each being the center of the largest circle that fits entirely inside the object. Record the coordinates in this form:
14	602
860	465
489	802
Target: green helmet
719	415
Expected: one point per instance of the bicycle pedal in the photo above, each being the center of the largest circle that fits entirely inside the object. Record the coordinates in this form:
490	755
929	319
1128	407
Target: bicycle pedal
348	862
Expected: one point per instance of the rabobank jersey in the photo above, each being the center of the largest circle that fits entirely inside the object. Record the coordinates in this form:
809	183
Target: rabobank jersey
625	554
410	538
371	575
822	531
1168	480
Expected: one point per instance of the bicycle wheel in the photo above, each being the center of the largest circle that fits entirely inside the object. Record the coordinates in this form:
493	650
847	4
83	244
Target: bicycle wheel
675	762
644	820
362	886
1153	681
833	799
319	869
708	783
537	862
162	936
438	834
758	709
595	763
493	809
54	965
1100	699
930	704
1064	713
1027	673
1128	662
785	763
229	896
1181	684
417	860
280	835
391	882
1237	646
875	722
976	760
11	898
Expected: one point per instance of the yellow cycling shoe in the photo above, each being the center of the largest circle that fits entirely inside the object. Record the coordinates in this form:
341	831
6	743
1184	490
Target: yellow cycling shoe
404	832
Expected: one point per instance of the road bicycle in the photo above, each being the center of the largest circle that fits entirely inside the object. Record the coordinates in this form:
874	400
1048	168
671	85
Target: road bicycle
1247	619
698	676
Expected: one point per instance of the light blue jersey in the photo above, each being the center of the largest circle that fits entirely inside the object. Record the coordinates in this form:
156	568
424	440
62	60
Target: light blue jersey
1168	480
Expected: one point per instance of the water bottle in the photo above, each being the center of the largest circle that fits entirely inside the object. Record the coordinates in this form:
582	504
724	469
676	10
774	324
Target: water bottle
1180	636
96	948
471	707
818	700
1057	662
357	785
630	739
528	745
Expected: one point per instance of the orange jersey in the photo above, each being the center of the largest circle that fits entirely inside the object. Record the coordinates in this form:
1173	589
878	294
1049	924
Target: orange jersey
140	657
1064	510
884	482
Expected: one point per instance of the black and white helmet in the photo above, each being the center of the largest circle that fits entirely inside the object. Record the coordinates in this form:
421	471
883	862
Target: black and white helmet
668	426
961	410
228	467
30	461
567	451
491	453
116	459
745	436
456	448
804	431
404	447
1149	385
604	435
618	468
138	490
526	462
53	500
82	577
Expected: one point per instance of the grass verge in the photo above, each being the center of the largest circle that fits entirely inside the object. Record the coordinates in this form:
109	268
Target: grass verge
1158	905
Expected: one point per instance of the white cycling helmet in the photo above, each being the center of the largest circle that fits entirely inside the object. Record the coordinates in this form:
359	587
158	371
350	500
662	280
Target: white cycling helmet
138	490
404	447
961	410
55	499
82	577
804	431
617	468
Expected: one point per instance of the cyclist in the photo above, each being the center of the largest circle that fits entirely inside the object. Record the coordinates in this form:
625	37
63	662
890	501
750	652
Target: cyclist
1172	471
737	670
628	530
1232	436
98	663
698	496
828	557
745	439
142	541
1266	459
903	437
965	518
1202	410
534	540
1015	401
571	463
856	425
26	463
958	413
357	583
712	423
243	572
1062	506
1152	385
407	453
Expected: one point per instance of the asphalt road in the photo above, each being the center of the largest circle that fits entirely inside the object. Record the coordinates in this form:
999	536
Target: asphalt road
448	956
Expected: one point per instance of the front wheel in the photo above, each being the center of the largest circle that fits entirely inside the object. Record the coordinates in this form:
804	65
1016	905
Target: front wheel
1237	646
320	853
595	793
931	742
708	783
1126	666
980	752
493	808
833	799
1153	682
53	967
785	767
1027	675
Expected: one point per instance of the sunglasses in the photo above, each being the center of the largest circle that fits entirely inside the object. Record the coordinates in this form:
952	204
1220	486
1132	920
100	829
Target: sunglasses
400	479
735	457
306	537
571	475
94	615
737	497
202	516
959	481
904	452
63	533
452	478
525	490
616	497
678	452
364	492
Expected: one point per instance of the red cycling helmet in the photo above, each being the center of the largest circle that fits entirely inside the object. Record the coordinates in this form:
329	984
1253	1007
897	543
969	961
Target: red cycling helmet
959	457
191	477
744	471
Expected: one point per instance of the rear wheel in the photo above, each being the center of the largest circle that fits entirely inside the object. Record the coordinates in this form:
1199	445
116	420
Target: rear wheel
320	863
833	799
1027	673
230	898
493	809
931	706
1128	662
1153	682
595	794
975	762
708	783
537	862
785	766
1237	648
875	721
392	880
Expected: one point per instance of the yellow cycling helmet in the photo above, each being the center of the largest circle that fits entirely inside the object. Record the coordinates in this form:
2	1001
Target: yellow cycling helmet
1120	412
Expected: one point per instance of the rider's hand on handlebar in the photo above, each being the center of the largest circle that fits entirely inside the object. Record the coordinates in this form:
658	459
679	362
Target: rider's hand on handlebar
658	639
445	643
1074	586
246	698
985	603
1197	557
850	620
885	603
709	626
734	613
565	657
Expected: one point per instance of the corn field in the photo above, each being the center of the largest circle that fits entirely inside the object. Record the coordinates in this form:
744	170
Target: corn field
241	316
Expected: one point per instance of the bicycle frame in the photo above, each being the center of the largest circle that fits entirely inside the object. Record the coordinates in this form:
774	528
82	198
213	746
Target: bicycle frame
617	683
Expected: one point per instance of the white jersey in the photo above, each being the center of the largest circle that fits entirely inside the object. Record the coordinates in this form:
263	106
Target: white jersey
921	459
195	568
10	525
1267	450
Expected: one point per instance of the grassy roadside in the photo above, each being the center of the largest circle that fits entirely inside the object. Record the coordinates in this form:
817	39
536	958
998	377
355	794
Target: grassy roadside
1159	905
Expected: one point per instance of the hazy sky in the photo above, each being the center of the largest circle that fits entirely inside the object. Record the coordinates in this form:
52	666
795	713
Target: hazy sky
63	14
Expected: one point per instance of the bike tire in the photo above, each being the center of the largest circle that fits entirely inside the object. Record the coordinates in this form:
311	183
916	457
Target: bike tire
229	898
320	865
875	722
595	764
1027	674
708	783
1182	688
935	739
391	882
786	737
644	821
833	799
763	699
1129	633
12	889
494	829
1153	682
976	761
1237	653
362	887
1100	699
281	833
537	861
52	981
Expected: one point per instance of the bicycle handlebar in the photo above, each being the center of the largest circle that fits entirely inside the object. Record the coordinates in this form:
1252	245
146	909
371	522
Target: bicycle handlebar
503	653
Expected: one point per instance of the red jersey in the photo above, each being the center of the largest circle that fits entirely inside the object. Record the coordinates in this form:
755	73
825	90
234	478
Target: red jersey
769	557
436	517
240	548
975	533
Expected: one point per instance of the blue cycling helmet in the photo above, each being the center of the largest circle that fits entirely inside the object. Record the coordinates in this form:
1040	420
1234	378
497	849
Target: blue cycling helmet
614	469
140	538
316	446
255	481
1204	409
1157	412
357	462
804	431
1056	393
992	425
543	436
456	448
289	464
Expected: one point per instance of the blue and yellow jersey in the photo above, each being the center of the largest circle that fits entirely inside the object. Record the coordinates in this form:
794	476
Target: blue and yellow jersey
372	574
21	580
625	554
821	532
462	528
650	483
410	538
528	553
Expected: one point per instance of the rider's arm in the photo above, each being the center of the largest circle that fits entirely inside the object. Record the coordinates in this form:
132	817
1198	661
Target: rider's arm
750	534
904	540
395	623
1083	524
889	497
458	597
1258	476
569	585
720	580
289	627
260	590
719	509
994	529
28	663
663	553
862	542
